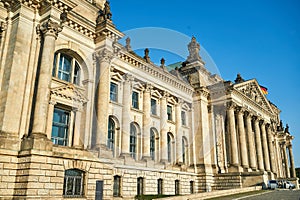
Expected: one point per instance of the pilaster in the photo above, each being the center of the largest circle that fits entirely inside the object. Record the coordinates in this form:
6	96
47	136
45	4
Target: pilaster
147	121
163	127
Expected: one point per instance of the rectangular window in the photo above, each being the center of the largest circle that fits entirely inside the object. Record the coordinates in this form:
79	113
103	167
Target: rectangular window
169	112
153	107
116	187
183	118
60	127
192	187
160	186
135	100
177	190
73	183
113	92
140	186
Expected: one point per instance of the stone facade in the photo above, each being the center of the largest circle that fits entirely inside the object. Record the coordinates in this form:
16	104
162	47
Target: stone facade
83	117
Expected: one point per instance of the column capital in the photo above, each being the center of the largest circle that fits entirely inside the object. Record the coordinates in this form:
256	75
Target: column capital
248	114
256	118
49	27
230	105
240	110
148	87
128	78
180	101
165	94
262	122
103	55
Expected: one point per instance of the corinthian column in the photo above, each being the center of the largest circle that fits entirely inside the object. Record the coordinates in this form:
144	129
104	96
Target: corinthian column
243	144
232	132
259	152
163	127
271	149
293	171
147	121
286	162
179	158
250	136
49	30
265	146
103	58
128	78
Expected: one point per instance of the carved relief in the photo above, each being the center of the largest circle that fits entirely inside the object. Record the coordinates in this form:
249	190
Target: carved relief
49	28
103	55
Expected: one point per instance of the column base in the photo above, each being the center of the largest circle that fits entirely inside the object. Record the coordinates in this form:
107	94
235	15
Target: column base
9	141
127	158
234	168
37	141
104	152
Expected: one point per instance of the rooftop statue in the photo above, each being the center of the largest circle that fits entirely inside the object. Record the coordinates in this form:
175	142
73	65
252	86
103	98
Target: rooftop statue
104	14
194	48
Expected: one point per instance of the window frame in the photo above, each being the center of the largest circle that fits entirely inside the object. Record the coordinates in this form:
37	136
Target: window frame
133	140
114	94
183	118
65	126
152	144
74	178
117	186
170	112
111	134
74	73
160	182
153	106
140	186
135	102
177	187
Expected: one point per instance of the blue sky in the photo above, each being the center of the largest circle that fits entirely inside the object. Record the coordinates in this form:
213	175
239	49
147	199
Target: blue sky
259	39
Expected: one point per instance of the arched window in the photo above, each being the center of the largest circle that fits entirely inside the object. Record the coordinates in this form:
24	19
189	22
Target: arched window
169	148
152	144
133	134
111	134
73	183
66	68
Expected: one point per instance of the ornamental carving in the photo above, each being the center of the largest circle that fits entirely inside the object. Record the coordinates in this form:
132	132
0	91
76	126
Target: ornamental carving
2	28
128	77
49	28
103	55
148	87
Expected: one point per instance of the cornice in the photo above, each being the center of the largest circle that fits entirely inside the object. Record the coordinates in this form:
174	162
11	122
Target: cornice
154	71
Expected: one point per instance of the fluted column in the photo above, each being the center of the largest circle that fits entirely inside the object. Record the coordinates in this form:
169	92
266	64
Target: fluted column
259	152
293	171
265	146
233	138
163	127
103	58
271	149
286	162
179	158
128	78
251	146
49	30
147	121
243	144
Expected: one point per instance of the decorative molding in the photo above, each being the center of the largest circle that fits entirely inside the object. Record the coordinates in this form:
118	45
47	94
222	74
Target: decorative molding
103	55
70	93
49	28
155	71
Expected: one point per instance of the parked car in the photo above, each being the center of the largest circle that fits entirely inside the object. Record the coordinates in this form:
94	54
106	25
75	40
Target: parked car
272	184
289	185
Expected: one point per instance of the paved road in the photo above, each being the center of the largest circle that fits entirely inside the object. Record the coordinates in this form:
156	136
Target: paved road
276	195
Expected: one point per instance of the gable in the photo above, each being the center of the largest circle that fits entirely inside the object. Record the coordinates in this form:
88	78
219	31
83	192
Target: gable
252	91
68	94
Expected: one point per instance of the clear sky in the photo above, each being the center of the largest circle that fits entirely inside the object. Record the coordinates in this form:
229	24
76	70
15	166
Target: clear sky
259	39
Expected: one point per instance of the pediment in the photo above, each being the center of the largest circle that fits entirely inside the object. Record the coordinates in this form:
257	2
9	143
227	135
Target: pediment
116	76
156	94
70	93
252	91
138	86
